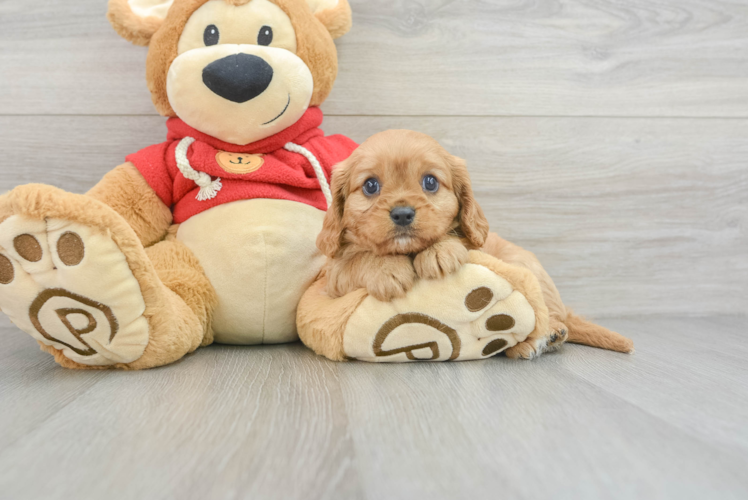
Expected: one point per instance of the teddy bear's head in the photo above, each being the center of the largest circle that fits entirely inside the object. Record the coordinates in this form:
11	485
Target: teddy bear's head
238	70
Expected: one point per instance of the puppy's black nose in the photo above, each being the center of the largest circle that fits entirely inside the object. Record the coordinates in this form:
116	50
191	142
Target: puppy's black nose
239	77
403	216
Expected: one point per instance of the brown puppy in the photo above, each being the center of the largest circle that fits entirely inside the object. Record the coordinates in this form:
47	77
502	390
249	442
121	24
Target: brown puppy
402	207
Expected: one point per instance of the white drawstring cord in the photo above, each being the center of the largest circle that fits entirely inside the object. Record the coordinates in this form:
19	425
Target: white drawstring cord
295	148
208	187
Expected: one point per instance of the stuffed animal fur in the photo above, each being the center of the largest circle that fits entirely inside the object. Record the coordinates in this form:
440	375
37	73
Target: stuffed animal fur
210	235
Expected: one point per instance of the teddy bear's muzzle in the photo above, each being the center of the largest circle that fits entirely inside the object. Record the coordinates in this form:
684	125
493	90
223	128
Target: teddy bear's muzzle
239	77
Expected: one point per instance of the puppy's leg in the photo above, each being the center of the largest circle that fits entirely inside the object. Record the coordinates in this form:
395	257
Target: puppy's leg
557	332
343	274
384	277
441	259
389	277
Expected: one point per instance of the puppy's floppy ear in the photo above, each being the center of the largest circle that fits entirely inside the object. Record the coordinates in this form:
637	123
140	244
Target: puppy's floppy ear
335	15
473	223
137	20
329	240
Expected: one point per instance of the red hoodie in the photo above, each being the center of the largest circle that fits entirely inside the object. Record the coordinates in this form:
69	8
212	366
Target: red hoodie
283	175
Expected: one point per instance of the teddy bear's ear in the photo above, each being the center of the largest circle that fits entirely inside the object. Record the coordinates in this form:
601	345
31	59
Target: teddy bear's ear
137	20
335	15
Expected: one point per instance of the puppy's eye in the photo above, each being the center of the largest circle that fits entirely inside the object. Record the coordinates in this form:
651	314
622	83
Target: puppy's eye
430	184
371	187
211	35
266	36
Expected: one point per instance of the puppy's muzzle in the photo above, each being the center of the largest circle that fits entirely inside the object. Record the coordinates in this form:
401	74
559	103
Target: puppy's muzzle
403	216
238	77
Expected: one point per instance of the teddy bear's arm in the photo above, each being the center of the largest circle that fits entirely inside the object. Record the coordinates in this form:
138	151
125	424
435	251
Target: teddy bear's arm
127	192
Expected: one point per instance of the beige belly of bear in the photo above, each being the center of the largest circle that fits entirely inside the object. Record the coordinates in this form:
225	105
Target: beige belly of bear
260	255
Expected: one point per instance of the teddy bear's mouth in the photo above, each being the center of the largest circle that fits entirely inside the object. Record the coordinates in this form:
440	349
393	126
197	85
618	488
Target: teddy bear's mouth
282	112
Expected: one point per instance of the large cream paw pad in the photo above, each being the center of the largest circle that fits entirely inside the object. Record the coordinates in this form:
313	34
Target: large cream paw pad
472	314
69	286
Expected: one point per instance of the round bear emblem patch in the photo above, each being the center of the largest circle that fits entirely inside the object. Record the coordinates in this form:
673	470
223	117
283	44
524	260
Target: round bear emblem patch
239	163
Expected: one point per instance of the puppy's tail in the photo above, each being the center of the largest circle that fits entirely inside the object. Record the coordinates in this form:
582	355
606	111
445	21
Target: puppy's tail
585	332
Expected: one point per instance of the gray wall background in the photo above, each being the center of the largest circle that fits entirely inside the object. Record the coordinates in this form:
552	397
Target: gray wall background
609	137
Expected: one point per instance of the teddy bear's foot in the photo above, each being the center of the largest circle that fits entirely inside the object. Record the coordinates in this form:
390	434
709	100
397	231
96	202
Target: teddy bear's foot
70	287
74	276
478	312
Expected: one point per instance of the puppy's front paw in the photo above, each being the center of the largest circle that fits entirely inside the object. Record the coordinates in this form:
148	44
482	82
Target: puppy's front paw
441	259
392	279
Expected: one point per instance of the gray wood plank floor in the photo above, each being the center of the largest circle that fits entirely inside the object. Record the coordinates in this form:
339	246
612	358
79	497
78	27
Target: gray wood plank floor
279	422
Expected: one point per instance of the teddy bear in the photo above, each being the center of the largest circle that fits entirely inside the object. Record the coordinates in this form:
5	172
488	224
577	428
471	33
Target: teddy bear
210	235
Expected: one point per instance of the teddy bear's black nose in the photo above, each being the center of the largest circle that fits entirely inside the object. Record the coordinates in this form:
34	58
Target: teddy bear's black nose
238	77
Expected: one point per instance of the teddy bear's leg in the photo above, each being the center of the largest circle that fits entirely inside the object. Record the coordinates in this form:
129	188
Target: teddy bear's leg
75	276
557	333
180	271
478	312
321	321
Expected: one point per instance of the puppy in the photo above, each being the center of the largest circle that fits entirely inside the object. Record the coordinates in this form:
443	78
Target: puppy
402	208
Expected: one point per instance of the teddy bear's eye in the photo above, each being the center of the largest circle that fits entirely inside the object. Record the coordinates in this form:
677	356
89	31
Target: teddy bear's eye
371	187
265	37
211	35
